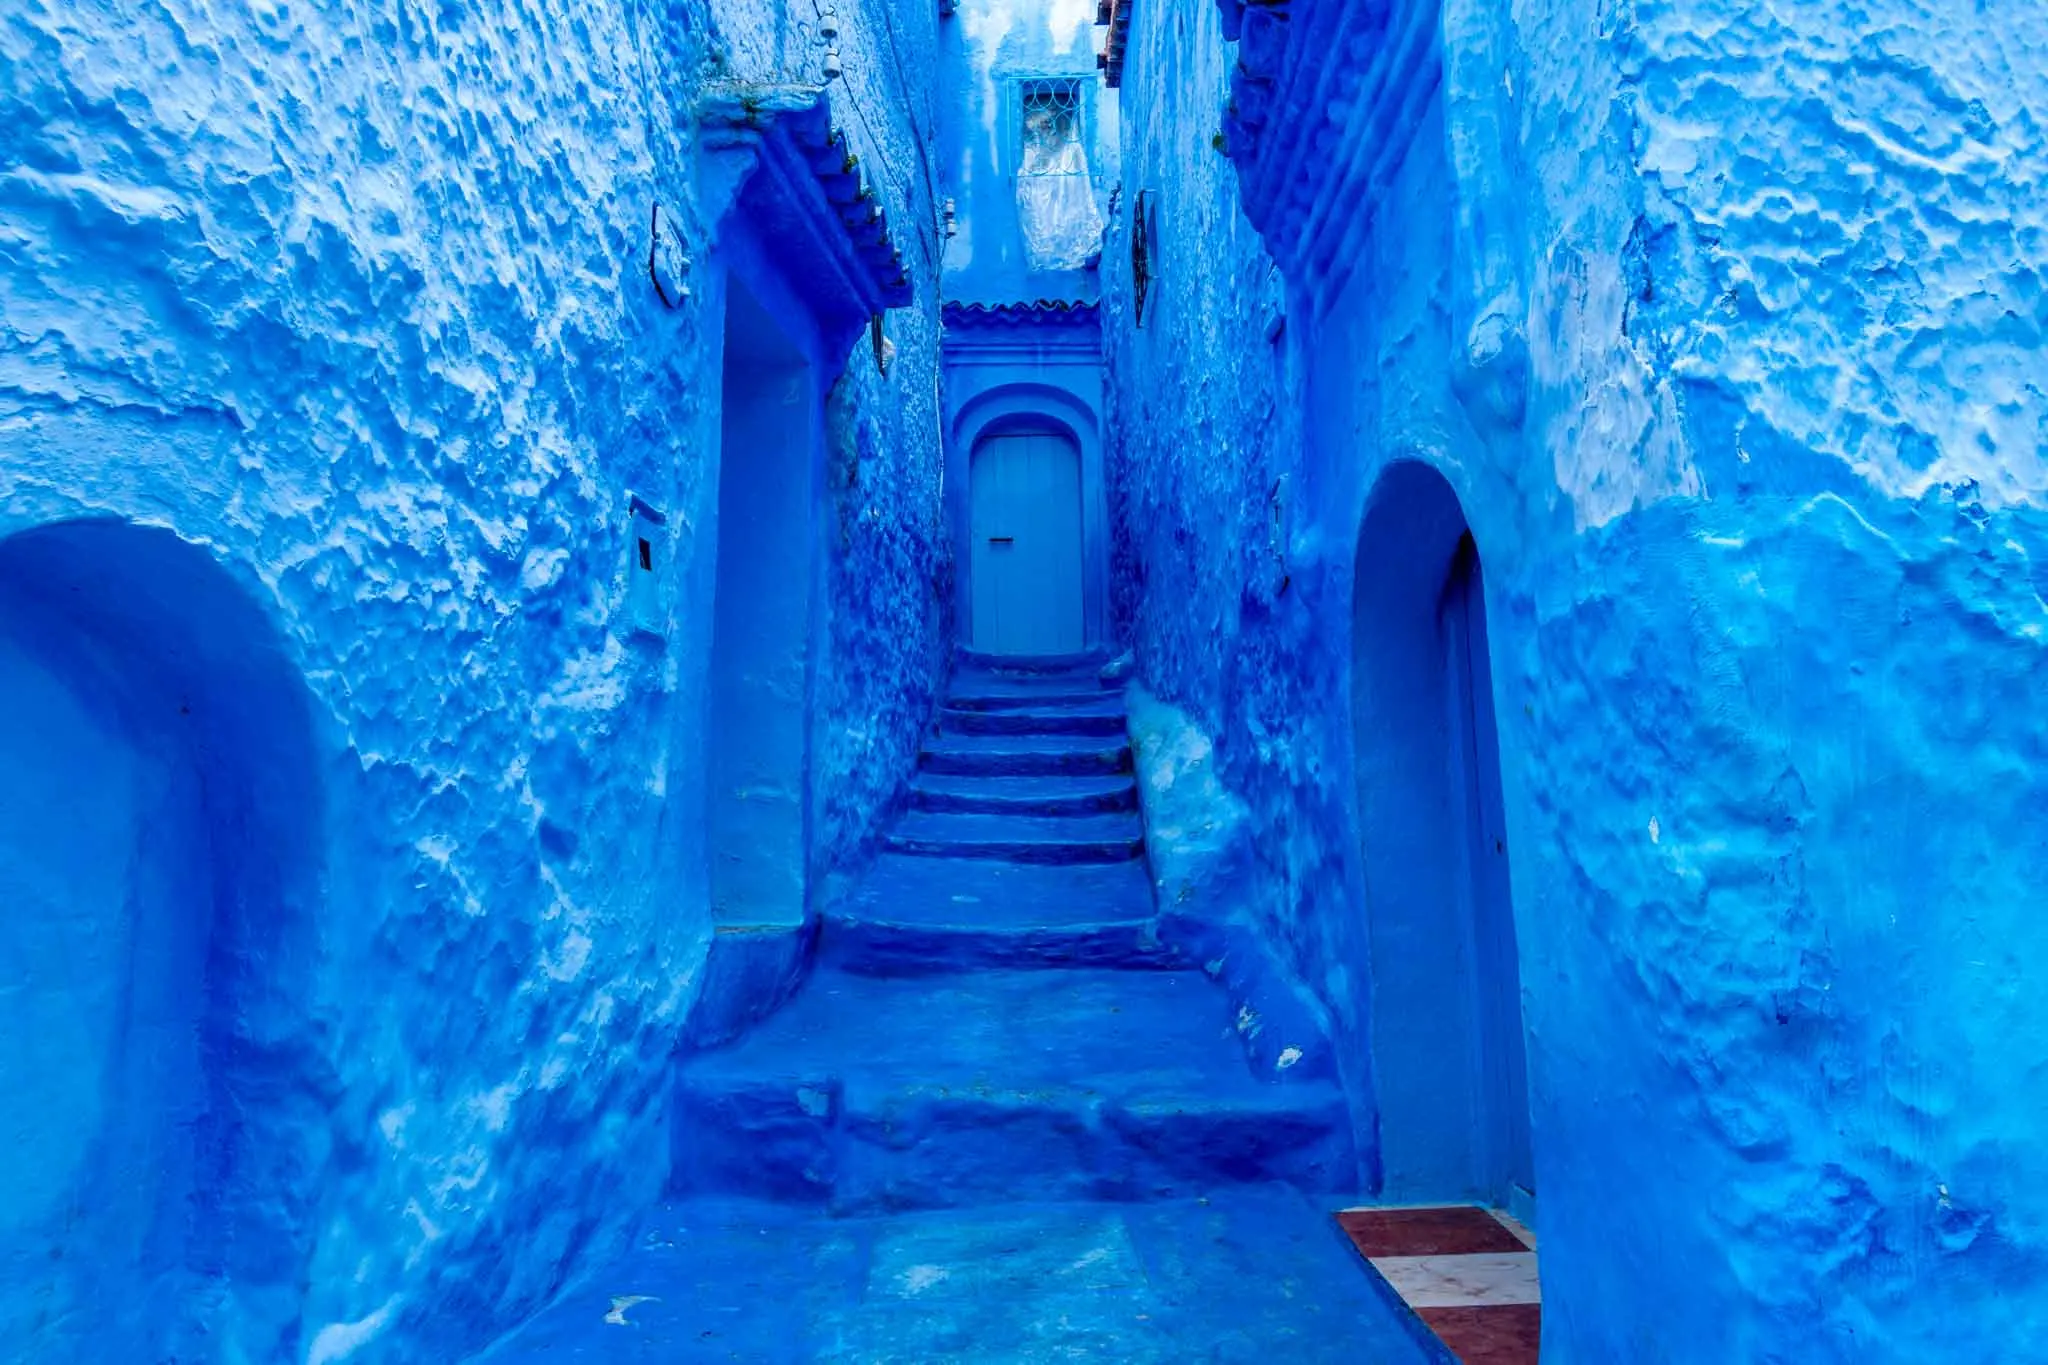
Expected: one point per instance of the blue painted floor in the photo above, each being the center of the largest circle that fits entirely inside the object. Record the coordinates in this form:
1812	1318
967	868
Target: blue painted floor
1001	1121
1252	1275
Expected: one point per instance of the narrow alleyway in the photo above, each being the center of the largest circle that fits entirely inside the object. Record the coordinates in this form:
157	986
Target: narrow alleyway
1009	681
1001	1120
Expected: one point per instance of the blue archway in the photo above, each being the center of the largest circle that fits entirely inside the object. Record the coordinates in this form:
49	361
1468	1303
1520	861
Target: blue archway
1448	1048
159	877
1030	405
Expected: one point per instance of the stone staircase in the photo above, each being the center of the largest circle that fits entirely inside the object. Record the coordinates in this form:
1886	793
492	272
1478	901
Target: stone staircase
991	1017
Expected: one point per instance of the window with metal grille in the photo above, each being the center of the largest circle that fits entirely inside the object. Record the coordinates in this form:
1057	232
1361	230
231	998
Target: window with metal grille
1056	208
1050	122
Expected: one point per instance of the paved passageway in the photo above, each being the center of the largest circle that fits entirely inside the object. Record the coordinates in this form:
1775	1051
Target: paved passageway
1001	1120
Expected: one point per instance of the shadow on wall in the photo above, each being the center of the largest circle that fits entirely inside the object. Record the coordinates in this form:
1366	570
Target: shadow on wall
159	875
1448	1052
761	638
759	685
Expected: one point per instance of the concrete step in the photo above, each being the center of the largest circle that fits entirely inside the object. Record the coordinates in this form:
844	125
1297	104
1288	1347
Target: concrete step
1009	695
1026	755
1084	663
910	915
1096	717
869	1094
1113	838
1023	795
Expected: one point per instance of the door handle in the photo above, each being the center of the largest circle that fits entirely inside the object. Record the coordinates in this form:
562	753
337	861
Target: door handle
1002	540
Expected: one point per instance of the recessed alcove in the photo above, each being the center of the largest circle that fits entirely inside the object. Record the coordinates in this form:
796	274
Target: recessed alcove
761	635
1448	1049
159	870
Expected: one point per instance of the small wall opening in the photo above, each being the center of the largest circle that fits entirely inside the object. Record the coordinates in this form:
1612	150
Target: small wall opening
159	871
1027	571
1448	1049
761	630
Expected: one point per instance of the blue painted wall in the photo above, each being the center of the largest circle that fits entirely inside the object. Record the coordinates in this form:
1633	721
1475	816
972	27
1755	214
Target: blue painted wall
157	813
1729	349
354	828
1028	369
1006	362
987	47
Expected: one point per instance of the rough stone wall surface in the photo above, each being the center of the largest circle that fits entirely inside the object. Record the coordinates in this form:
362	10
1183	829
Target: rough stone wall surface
1764	599
1789	390
356	297
1205	479
889	627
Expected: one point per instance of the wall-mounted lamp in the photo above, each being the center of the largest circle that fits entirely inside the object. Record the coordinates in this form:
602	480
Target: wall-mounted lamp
668	263
949	217
828	30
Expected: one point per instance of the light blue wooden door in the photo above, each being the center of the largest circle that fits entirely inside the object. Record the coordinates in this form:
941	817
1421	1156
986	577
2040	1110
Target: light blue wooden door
1027	544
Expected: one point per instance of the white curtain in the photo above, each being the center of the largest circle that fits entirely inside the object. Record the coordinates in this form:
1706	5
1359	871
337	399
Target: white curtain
1055	196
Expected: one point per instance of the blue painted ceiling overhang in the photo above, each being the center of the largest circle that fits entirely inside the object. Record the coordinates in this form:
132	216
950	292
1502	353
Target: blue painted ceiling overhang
774	150
1324	103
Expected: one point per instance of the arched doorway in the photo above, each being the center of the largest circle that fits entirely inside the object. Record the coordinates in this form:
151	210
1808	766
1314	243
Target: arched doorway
158	872
1448	1051
1027	543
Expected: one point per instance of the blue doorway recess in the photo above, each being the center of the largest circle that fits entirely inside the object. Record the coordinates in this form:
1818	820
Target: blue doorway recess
1475	765
1448	1050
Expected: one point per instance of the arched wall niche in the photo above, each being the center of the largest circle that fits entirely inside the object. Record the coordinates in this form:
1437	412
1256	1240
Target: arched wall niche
1028	406
160	882
1447	1034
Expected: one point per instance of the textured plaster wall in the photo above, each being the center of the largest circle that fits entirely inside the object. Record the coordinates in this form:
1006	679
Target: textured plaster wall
1808	480
355	300
889	600
1202	432
985	46
1764	601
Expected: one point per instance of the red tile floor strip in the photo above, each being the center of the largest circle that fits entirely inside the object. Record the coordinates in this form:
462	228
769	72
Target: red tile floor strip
1458	1230
1476	1289
1494	1334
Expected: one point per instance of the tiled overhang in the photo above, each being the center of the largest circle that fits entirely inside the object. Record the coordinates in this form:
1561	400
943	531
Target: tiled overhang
1037	313
779	156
